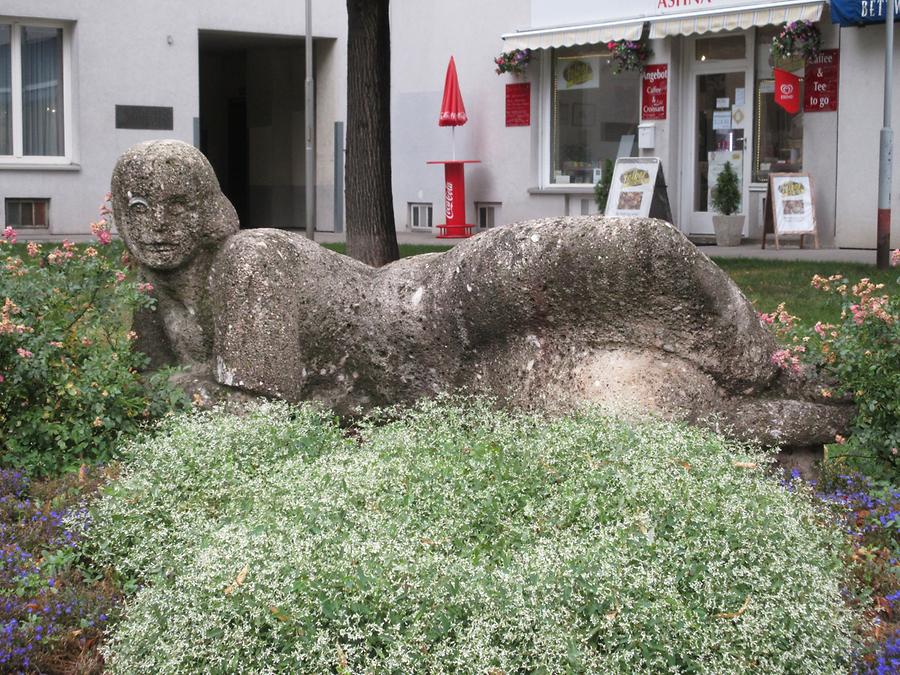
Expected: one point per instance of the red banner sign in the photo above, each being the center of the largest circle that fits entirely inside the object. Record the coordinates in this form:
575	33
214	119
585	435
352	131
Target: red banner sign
654	91
821	94
518	104
787	91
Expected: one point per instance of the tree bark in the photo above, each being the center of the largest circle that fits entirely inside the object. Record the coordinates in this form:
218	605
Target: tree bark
371	232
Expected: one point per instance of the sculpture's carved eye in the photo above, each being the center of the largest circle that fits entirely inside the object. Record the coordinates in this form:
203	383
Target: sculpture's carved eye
138	205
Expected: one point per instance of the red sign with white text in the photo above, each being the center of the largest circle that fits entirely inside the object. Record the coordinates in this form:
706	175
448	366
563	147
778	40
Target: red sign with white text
821	85
518	104
787	91
654	91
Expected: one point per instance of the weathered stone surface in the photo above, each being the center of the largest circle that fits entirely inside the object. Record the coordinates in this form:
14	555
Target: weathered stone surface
548	314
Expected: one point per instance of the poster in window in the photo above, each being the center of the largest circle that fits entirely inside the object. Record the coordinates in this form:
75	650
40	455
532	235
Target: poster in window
578	73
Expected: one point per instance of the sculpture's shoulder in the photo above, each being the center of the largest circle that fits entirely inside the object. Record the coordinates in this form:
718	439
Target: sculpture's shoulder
253	250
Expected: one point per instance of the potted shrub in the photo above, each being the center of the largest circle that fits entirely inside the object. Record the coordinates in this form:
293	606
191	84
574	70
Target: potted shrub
726	199
601	189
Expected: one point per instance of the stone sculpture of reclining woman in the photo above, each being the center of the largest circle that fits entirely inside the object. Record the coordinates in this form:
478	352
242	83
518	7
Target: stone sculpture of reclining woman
546	315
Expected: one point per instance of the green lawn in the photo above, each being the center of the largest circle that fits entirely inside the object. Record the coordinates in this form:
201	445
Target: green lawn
769	282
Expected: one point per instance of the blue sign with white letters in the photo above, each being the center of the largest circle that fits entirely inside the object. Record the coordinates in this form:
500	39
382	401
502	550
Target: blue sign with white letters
861	12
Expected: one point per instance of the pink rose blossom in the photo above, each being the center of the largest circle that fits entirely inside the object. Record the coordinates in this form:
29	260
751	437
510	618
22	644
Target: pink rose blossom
145	287
895	257
24	353
120	277
819	329
10	235
34	249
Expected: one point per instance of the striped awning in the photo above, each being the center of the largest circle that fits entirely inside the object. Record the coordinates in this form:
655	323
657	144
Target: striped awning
567	36
734	18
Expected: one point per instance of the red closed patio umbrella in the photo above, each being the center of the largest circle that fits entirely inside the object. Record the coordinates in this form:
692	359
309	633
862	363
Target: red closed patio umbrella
453	110
453	114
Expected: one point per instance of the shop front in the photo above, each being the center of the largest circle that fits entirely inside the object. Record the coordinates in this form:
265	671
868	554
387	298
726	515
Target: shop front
704	94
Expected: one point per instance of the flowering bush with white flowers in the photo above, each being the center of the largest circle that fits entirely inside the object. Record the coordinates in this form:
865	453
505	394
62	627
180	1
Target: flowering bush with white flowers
69	388
456	538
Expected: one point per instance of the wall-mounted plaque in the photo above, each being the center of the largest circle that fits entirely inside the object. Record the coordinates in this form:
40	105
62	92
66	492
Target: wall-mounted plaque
151	117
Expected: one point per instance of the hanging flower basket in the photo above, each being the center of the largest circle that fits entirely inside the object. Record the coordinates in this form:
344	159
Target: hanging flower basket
515	62
628	55
798	39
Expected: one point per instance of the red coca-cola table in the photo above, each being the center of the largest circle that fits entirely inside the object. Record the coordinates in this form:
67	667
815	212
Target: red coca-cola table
455	199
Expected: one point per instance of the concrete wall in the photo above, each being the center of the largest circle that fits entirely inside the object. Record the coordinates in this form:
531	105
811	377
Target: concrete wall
121	55
820	149
424	36
859	121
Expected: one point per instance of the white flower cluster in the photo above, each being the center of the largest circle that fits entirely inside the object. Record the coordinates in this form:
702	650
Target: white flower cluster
457	538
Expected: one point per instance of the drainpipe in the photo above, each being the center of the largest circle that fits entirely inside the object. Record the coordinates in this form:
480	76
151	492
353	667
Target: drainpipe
885	156
310	115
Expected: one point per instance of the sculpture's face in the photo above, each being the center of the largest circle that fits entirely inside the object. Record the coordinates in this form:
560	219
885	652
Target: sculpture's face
163	224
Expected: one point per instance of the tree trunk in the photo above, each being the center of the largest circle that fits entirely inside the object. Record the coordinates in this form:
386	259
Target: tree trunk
371	232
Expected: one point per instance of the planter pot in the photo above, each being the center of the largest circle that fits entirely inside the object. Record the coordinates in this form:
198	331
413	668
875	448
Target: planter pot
728	229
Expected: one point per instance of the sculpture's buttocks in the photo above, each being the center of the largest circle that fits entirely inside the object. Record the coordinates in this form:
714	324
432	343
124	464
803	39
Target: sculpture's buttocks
548	314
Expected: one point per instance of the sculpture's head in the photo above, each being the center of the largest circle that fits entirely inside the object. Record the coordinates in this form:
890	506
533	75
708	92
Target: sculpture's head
167	203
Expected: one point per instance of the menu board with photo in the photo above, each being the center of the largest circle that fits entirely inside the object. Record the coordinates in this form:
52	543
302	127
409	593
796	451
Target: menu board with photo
792	209
632	186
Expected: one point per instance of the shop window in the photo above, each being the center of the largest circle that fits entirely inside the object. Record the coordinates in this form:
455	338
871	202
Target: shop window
725	48
487	214
32	90
420	215
27	213
778	146
594	114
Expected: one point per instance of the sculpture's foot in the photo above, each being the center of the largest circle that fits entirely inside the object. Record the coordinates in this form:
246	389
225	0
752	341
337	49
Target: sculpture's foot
205	393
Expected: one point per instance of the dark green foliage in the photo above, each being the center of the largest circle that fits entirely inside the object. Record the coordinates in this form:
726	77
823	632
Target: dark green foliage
726	195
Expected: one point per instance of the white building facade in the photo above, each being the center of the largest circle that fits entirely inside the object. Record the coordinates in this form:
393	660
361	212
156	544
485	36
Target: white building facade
80	82
711	56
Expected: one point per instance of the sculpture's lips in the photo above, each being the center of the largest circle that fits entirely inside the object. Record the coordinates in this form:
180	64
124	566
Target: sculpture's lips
160	247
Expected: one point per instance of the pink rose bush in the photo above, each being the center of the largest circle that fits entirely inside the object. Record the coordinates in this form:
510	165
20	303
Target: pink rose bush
67	356
861	353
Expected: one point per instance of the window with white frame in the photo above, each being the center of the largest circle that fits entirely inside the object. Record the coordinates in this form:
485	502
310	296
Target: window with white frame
33	91
594	114
420	215
487	214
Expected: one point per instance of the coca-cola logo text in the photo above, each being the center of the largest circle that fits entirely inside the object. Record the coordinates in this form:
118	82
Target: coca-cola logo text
448	201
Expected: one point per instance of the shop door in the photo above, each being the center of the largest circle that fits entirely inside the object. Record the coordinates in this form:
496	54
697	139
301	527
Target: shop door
719	86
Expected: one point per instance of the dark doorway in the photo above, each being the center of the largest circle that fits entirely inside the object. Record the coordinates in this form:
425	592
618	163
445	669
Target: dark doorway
238	155
252	124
